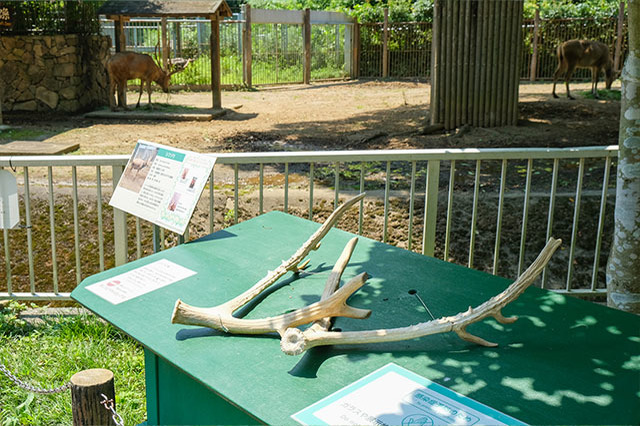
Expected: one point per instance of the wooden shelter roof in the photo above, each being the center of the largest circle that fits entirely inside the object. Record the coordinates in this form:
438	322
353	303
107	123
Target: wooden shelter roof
165	9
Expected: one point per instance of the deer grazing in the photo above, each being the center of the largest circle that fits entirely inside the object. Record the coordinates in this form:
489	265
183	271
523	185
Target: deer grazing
574	54
125	66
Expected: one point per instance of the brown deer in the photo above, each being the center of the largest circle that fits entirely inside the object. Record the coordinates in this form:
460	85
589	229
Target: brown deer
574	54
125	66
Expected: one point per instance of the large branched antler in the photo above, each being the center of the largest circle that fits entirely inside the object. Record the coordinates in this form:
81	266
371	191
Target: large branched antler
295	341
221	317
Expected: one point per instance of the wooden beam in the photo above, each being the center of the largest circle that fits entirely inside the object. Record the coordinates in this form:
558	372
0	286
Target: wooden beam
618	52
178	47
165	43
385	44
214	41
247	48
306	28
536	35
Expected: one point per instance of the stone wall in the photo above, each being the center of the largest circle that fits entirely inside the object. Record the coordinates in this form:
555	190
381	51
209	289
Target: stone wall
63	73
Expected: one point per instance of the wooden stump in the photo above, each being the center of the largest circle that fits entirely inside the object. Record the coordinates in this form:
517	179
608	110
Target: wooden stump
86	389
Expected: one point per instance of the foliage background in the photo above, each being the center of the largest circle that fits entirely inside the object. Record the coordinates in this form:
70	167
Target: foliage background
421	10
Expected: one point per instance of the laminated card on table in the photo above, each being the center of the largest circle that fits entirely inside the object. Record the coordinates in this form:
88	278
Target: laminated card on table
393	395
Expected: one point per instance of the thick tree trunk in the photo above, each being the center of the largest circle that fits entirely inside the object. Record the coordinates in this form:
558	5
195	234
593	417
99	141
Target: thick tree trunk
623	269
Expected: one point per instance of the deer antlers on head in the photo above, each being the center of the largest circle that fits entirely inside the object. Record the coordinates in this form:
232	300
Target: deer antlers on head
333	303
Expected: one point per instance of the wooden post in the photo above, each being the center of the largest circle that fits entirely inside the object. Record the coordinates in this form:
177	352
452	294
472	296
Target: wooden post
121	46
507	66
306	31
178	47
478	65
466	69
165	43
357	45
533	73
385	44
119	38
1	100
447	53
214	43
453	69
87	388
435	64
618	52
247	47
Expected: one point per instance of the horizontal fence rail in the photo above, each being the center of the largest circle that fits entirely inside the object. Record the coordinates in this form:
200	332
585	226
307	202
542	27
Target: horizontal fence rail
489	209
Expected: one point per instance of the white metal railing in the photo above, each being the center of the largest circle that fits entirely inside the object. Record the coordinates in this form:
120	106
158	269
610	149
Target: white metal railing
486	193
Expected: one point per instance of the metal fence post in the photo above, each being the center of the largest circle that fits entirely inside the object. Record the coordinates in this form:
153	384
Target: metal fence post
385	44
618	52
534	56
119	224
431	207
306	31
246	46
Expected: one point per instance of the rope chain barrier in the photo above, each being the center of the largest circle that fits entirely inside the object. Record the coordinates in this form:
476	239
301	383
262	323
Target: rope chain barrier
108	404
31	388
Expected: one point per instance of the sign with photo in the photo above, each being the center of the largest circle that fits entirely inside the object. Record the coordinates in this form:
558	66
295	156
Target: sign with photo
162	184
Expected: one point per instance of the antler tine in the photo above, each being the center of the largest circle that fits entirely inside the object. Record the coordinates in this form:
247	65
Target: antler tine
221	317
335	305
295	341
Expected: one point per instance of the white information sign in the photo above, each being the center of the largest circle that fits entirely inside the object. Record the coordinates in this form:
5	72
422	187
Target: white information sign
9	207
140	281
162	184
394	395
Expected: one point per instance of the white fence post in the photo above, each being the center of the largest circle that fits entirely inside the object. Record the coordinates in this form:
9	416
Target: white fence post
119	224
431	207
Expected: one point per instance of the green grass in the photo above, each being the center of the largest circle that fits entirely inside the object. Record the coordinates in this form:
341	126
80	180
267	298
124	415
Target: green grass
607	95
48	354
21	134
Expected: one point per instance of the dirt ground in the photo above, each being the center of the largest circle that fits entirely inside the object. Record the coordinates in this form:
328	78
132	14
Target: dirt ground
330	116
336	116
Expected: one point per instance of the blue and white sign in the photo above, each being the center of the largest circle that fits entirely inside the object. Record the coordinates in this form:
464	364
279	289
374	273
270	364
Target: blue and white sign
393	395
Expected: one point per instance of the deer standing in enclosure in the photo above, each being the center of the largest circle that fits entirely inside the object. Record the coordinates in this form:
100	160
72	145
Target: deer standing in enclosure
124	66
574	54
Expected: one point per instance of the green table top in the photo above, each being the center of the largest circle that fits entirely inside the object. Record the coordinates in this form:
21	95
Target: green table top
565	361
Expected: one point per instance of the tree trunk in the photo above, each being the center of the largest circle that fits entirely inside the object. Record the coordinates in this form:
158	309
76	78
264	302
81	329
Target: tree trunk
623	269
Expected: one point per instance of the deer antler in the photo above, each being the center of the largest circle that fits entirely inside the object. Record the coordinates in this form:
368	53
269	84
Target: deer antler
295	341
221	317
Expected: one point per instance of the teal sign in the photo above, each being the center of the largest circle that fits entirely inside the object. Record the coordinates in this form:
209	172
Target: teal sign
394	395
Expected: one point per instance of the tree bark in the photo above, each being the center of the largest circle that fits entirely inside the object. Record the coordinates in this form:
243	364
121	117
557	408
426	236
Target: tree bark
623	269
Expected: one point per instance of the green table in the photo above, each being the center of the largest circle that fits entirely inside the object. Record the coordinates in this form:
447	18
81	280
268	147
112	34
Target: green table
565	361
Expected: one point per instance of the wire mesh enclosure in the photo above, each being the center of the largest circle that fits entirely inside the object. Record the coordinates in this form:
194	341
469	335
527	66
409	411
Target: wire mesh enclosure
555	32
277	49
410	49
329	57
277	52
51	17
370	62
